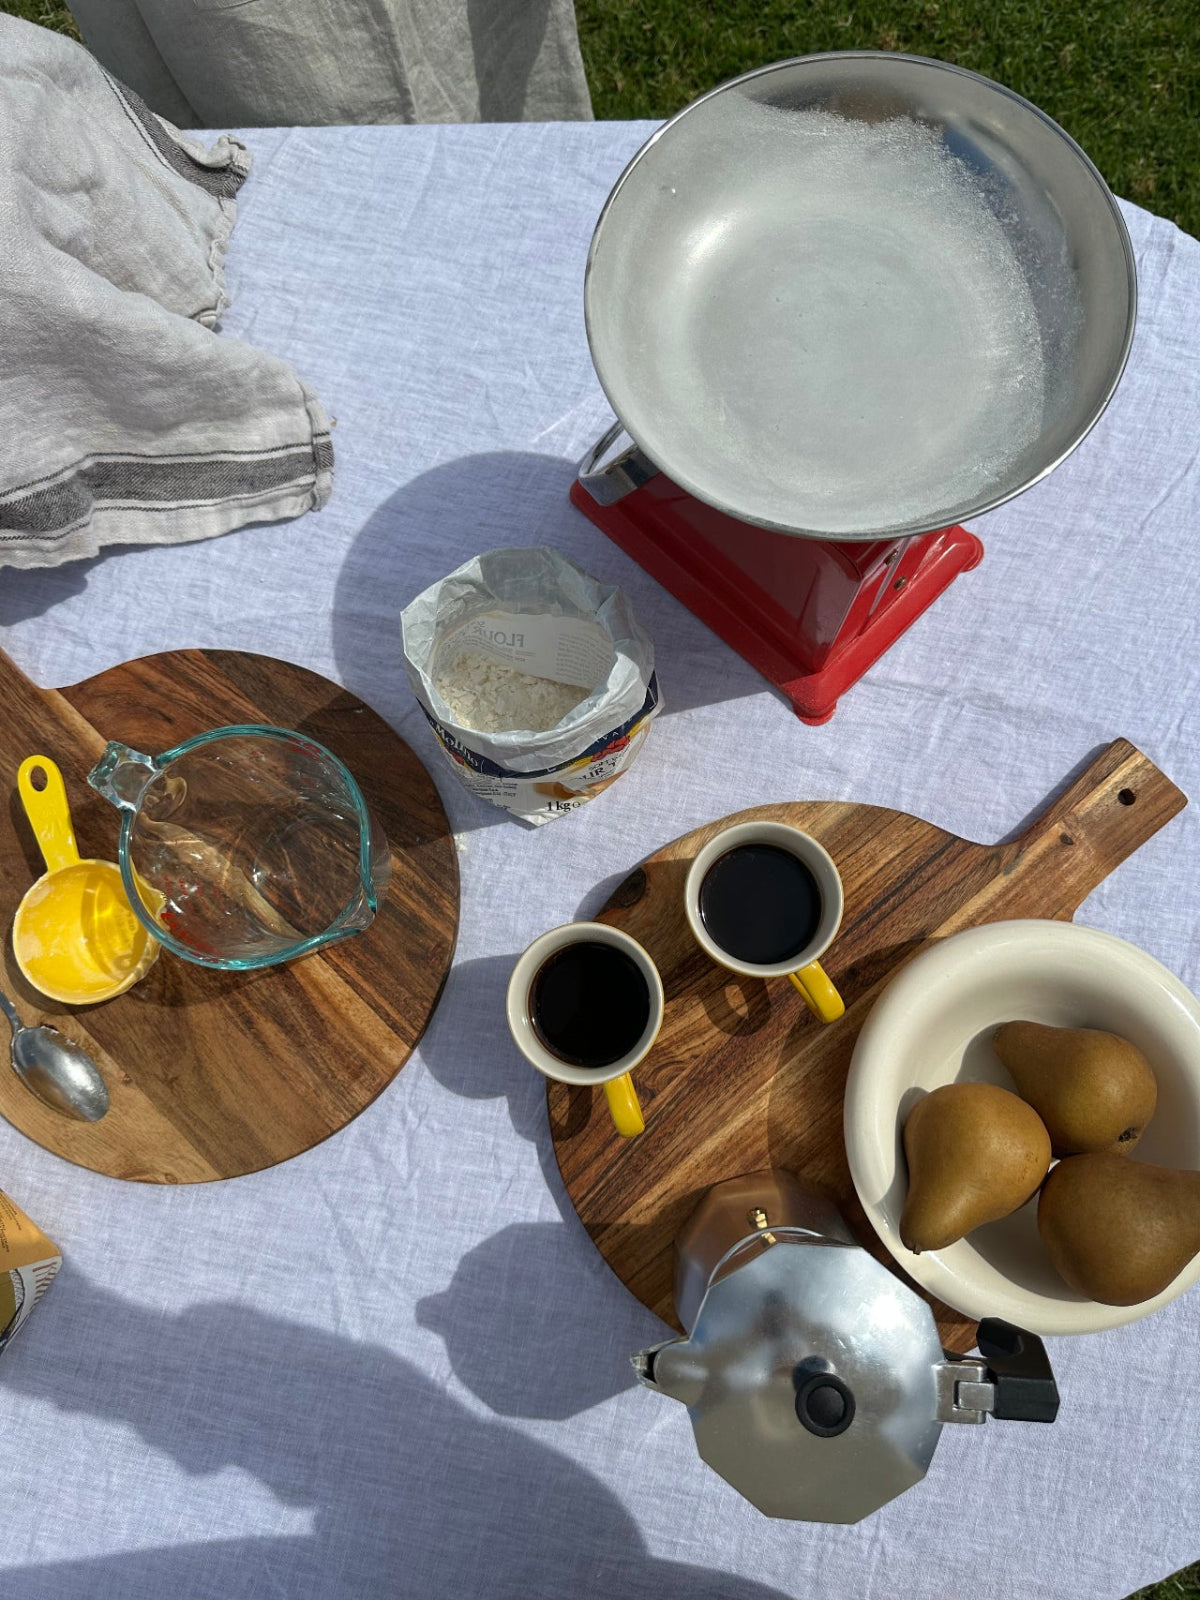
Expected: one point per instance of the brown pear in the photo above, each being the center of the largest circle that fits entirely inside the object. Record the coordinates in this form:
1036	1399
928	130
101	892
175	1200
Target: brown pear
975	1152
1119	1231
1093	1090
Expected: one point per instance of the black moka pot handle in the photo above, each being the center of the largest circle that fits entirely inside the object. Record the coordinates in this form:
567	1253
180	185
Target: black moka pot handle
1020	1372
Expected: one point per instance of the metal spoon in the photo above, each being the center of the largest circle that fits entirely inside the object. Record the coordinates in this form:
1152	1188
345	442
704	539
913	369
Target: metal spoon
56	1069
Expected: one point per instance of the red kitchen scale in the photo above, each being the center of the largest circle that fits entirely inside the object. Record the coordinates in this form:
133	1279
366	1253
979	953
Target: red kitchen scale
812	615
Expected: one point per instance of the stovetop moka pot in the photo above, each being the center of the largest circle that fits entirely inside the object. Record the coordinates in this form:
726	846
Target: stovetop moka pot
815	1379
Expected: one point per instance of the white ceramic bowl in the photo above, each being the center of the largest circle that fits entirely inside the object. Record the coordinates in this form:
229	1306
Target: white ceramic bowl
933	1025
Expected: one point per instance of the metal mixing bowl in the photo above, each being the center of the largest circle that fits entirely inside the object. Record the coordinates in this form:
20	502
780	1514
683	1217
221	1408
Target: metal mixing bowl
678	256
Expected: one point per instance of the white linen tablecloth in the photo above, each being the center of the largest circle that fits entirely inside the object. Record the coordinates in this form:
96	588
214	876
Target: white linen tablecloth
395	1366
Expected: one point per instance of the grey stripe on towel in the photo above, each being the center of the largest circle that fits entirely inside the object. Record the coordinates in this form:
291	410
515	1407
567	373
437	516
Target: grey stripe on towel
223	181
149	481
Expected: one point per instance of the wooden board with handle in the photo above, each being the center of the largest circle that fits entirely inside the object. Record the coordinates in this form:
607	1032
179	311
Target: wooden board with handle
741	1077
213	1074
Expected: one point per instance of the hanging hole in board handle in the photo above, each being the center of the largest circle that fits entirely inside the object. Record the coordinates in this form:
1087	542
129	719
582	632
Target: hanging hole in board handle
38	779
1126	796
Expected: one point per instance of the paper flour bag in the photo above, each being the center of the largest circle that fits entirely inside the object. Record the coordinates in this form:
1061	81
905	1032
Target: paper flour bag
28	1264
537	679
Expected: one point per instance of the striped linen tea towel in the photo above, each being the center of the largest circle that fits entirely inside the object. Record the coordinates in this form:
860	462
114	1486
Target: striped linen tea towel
124	419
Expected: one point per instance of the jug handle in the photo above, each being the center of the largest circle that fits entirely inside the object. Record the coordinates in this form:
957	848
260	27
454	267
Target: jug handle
121	775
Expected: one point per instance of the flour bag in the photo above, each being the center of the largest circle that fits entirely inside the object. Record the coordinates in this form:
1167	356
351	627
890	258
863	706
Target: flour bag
537	679
28	1264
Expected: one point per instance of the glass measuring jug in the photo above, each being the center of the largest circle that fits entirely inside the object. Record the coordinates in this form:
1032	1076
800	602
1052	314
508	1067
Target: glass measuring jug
246	846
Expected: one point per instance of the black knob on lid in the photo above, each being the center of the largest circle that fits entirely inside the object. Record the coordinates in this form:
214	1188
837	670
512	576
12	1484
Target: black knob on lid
825	1405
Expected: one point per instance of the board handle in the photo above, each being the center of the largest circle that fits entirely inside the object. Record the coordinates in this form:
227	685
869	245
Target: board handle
1119	801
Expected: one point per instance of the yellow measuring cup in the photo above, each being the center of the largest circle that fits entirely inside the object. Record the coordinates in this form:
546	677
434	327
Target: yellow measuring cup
74	935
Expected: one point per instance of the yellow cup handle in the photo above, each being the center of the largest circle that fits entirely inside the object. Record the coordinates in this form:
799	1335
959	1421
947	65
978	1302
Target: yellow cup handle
48	812
625	1107
823	1000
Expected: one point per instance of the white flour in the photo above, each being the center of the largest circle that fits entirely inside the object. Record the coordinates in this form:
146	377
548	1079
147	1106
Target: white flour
493	698
537	679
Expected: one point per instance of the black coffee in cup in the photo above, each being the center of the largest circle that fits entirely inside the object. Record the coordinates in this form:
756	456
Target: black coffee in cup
589	1003
761	904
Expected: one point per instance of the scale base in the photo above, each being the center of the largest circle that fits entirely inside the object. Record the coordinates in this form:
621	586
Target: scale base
811	615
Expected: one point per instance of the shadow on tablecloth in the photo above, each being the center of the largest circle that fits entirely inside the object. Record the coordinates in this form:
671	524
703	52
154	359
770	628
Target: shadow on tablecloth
509	1350
31	592
469	1050
563	1344
445	516
411	1494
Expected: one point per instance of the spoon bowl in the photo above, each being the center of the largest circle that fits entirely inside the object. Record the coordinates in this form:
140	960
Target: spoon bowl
56	1069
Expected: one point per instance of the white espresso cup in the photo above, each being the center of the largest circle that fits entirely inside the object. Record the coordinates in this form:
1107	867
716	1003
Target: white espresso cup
614	1075
803	967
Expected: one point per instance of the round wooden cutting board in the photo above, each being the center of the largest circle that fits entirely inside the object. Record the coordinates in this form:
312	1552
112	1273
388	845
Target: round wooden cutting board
214	1074
741	1077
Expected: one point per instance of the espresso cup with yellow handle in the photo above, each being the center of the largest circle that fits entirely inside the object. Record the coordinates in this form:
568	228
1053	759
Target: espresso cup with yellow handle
765	900
585	1003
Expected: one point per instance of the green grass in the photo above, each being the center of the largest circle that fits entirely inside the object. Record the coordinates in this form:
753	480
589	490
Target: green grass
1122	76
1184	1585
48	12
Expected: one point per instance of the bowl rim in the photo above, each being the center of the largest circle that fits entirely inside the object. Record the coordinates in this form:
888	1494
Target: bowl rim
862	1106
612	386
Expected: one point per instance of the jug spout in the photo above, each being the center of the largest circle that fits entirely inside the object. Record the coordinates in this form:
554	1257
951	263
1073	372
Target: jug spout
121	775
672	1369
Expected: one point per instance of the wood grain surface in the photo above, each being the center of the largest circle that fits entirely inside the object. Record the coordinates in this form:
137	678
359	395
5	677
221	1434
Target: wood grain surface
742	1077
213	1074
